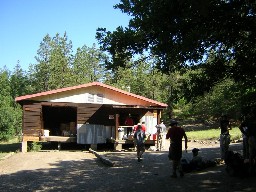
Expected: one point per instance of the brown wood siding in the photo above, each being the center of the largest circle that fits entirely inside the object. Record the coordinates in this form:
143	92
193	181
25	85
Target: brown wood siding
32	120
101	116
85	111
57	104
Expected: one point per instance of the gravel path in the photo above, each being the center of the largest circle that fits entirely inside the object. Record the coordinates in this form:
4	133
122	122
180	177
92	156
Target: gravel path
82	171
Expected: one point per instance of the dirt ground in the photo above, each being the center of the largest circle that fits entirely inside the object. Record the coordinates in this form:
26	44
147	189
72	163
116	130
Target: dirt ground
82	171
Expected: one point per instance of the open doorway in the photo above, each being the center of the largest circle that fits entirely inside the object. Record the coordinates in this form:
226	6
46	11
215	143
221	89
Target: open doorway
60	121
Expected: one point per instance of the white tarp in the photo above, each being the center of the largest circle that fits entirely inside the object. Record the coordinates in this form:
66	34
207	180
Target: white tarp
93	133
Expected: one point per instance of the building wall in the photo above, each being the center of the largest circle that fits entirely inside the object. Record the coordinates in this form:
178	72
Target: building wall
97	95
85	111
89	117
32	125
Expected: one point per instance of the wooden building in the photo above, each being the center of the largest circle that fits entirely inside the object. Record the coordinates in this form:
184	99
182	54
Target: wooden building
86	114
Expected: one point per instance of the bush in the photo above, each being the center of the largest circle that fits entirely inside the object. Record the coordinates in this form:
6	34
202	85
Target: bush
34	146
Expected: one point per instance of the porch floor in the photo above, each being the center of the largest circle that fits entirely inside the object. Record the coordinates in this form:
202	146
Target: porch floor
58	139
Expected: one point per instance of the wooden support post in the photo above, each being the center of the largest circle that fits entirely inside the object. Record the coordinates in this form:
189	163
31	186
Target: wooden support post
158	116
59	146
116	126
24	146
118	146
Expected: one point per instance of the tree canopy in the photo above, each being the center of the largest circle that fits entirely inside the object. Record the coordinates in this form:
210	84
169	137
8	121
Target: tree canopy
181	33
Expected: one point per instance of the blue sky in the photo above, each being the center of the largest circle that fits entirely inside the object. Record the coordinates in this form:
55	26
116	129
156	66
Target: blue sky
24	24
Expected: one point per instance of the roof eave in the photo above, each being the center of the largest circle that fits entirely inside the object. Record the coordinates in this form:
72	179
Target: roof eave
27	97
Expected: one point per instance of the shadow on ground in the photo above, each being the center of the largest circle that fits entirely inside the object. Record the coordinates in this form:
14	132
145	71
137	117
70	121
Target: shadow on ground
152	174
9	147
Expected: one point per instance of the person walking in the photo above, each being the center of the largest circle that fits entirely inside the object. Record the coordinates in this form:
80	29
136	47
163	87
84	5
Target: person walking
161	130
139	141
224	135
143	128
175	134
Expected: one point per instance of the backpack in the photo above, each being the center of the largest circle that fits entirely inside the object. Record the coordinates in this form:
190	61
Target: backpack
140	136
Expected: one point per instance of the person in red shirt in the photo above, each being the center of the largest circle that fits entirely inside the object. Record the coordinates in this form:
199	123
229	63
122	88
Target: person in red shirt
175	134
129	122
143	127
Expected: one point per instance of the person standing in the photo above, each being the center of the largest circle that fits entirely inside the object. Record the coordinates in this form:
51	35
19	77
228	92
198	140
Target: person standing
175	134
129	122
224	135
161	130
244	130
252	141
139	141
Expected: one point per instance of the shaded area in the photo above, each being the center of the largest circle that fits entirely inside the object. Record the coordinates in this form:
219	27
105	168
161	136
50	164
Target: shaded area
59	119
89	174
9	147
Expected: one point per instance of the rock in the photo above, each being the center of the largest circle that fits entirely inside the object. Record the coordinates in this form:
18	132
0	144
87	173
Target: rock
102	158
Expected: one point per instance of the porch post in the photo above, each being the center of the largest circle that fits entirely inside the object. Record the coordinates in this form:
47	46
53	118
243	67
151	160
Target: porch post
116	125
158	116
24	146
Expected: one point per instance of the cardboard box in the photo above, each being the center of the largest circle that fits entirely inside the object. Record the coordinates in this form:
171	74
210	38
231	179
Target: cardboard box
130	137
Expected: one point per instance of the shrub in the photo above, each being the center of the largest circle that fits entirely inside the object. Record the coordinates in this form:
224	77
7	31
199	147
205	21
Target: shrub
34	146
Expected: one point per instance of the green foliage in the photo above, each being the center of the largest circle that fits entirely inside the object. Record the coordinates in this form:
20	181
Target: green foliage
54	59
10	122
194	83
19	82
40	73
213	134
10	112
181	33
4	83
182	109
34	146
142	79
57	67
87	65
224	98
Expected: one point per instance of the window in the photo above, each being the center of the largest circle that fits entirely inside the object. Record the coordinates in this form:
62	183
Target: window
98	98
90	98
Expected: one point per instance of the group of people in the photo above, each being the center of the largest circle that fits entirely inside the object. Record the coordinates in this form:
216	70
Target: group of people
174	133
236	163
140	137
